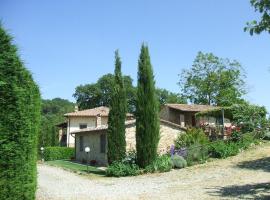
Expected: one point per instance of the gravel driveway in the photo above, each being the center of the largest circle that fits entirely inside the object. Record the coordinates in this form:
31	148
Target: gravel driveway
245	176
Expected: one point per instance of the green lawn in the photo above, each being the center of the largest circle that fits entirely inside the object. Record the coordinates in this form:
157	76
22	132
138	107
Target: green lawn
76	167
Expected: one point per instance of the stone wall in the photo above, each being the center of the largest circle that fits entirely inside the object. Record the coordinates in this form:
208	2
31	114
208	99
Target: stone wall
168	134
92	140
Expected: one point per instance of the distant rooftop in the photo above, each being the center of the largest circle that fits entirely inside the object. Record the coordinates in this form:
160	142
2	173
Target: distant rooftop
191	107
102	111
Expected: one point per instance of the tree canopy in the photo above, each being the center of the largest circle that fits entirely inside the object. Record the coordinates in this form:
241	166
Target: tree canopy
99	94
52	112
263	7
164	96
213	80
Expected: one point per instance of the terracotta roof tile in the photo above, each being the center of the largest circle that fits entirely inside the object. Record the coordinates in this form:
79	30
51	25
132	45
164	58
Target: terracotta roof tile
99	128
102	111
191	107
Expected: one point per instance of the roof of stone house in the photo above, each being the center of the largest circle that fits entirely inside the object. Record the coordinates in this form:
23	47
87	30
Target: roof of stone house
191	107
102	111
128	122
102	127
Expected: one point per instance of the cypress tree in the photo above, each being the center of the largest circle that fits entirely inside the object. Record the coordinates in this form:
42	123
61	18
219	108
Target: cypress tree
19	124
147	120
117	116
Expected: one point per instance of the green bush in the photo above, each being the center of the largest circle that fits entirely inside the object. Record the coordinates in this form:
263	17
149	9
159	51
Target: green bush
19	124
236	136
130	157
178	161
192	136
161	164
58	153
246	140
118	169
223	149
267	135
196	153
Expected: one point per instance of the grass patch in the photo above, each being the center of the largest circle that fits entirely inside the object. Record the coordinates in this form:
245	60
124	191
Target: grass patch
76	167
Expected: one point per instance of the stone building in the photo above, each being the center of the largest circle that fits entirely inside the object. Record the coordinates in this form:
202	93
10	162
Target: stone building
88	128
96	139
183	114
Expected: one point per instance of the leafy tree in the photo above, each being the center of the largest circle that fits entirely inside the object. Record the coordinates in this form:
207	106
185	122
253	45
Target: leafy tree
52	112
249	116
147	120
98	94
165	96
263	7
19	124
214	81
117	116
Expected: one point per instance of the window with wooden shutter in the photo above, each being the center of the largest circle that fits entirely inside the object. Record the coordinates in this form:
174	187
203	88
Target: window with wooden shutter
103	143
81	143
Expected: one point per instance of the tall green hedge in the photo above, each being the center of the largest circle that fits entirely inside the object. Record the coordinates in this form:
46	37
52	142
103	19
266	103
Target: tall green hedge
19	124
147	108
58	153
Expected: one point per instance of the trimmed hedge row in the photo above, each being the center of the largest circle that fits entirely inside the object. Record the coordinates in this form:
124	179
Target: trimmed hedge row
58	153
19	124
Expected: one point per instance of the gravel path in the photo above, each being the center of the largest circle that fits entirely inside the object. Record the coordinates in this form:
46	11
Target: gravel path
245	176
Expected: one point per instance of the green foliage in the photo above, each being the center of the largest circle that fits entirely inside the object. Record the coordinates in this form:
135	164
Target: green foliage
192	136
178	161
160	164
147	108
19	124
223	149
249	117
267	135
263	7
213	80
196	153
99	93
117	116
119	169
246	140
52	112
58	153
165	96
236	136
130	157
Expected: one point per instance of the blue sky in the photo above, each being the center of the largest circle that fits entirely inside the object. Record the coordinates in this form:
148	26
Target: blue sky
68	43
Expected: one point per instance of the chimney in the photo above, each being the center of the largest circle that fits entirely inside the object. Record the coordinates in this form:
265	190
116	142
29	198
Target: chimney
76	108
98	123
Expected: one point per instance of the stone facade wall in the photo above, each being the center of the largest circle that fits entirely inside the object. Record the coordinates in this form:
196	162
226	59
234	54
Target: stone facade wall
164	113
167	136
91	140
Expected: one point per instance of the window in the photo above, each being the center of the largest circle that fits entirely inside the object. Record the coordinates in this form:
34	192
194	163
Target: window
103	143
81	143
82	126
182	120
